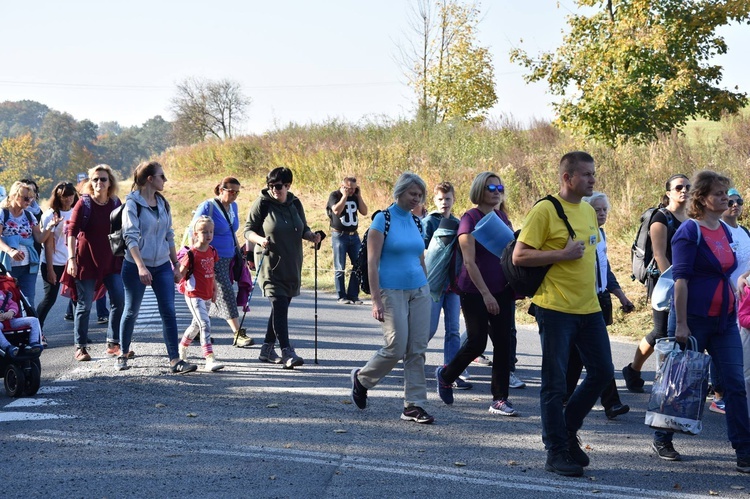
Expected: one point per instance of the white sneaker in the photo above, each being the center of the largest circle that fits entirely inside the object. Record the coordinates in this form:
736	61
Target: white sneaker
183	352
515	382
212	364
465	375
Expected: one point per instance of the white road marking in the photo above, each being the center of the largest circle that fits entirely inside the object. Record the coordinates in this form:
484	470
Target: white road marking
30	416
31	402
56	389
506	479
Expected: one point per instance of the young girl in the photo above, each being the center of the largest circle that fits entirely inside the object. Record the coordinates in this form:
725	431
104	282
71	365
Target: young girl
200	287
9	309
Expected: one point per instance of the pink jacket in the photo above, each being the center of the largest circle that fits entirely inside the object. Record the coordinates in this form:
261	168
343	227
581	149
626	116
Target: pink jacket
743	311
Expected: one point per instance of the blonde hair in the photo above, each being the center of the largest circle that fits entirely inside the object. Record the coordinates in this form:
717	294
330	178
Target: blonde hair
15	193
88	188
203	220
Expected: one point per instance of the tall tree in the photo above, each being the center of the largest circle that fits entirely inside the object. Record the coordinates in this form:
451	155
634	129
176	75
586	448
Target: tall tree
18	157
634	68
206	108
451	74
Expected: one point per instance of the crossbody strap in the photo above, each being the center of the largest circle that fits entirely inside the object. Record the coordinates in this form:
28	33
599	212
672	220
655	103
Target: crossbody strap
226	216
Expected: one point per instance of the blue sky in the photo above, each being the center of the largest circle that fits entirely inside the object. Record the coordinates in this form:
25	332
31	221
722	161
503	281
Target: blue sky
299	61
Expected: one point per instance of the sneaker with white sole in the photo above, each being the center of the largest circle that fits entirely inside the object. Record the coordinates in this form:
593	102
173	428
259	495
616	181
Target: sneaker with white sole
121	364
482	361
502	407
515	382
417	414
212	364
460	384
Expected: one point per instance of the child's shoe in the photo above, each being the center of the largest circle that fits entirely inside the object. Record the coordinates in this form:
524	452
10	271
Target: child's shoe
33	348
212	364
11	351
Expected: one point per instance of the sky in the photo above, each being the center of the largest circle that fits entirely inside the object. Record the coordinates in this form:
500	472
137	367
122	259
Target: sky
300	61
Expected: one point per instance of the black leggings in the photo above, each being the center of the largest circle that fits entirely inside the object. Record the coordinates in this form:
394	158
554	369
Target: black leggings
278	321
660	327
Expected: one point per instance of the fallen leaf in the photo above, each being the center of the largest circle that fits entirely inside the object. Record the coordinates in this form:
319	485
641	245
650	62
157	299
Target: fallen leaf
287	446
339	431
192	415
272	477
587	447
347	402
272	406
677	486
160	405
512	463
459	464
712	493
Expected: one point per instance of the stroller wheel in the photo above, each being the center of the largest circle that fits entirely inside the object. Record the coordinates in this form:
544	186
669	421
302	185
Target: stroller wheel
33	380
15	380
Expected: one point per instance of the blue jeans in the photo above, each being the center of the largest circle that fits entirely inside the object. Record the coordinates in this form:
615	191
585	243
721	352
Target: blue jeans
343	246
559	332
725	347
85	290
101	307
26	282
162	282
450	304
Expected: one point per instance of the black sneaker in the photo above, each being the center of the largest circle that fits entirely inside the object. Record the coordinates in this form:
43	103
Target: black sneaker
666	451
575	451
359	392
743	465
417	414
617	410
68	317
102	320
562	464
460	384
633	380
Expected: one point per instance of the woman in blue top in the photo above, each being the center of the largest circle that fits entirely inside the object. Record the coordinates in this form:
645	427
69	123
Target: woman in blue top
400	299
223	211
704	306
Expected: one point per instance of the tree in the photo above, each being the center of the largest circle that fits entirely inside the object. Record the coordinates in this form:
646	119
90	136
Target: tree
452	76
635	68
206	108
17	158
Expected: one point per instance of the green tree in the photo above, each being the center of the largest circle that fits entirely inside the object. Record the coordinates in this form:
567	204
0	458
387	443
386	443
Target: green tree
18	157
451	74
630	69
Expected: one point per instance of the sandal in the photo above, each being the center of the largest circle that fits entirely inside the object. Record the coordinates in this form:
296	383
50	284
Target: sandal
183	367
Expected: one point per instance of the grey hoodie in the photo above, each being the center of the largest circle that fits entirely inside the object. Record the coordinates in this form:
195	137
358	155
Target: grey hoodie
151	232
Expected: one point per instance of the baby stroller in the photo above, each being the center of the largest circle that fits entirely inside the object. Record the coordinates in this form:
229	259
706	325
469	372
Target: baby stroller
22	373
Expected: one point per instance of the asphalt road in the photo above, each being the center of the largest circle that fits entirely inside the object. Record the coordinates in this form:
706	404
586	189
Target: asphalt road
257	430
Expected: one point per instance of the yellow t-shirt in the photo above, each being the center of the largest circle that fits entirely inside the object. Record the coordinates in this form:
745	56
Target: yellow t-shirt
569	286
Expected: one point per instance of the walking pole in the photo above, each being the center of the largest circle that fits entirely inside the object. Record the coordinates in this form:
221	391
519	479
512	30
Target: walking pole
317	247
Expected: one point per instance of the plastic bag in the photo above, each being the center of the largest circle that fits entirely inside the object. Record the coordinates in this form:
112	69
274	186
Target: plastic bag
679	391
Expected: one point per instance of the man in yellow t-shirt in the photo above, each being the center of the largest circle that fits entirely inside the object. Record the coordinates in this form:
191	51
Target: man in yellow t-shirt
567	310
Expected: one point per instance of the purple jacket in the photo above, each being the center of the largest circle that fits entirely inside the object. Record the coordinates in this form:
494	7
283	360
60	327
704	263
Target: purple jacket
696	262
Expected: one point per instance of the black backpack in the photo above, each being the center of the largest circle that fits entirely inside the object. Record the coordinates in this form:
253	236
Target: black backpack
641	252
360	267
525	281
116	239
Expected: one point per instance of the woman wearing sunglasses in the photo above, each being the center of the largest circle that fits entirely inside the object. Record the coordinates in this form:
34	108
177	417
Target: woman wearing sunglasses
90	259
276	225
19	230
664	223
55	254
487	303
223	210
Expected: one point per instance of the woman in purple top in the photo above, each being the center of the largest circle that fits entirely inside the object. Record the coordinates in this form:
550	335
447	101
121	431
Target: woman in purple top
704	306
487	301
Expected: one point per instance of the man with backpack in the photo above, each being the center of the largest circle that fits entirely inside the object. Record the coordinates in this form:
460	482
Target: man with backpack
567	309
342	208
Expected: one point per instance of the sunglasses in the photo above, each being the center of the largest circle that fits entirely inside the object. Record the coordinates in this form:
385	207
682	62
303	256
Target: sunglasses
732	202
493	187
100	179
27	198
680	187
163	177
231	191
278	187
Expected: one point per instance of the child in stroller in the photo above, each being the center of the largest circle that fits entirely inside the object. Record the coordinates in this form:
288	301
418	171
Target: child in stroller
20	340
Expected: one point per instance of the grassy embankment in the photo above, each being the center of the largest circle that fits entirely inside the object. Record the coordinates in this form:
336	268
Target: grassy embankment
320	155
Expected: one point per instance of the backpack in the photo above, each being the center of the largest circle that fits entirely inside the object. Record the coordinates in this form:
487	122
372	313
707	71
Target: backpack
641	253
360	267
116	239
182	286
525	281
457	258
